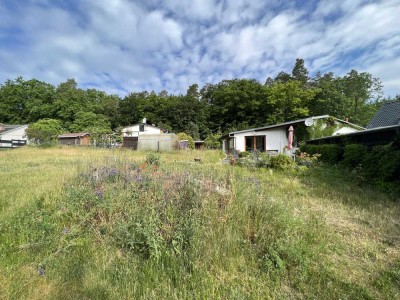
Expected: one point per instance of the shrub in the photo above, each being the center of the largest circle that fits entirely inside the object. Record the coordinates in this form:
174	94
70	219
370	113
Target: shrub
182	136
44	131
281	162
213	141
353	155
244	154
308	160
153	159
330	153
382	163
263	160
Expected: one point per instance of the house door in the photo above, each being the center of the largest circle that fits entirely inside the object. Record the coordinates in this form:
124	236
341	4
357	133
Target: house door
255	143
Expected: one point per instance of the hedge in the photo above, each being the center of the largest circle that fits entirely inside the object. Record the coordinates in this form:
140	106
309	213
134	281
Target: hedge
330	153
379	165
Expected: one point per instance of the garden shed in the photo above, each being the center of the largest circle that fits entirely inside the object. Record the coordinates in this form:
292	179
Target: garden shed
75	139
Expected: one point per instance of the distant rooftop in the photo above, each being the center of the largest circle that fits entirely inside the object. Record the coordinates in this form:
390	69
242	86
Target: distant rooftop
388	115
73	135
6	127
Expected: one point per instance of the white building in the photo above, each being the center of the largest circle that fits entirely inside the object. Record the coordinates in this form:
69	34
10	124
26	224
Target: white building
139	129
12	136
274	138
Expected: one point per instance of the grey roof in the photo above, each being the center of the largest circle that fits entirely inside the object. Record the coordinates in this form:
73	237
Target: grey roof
73	135
295	122
362	132
388	115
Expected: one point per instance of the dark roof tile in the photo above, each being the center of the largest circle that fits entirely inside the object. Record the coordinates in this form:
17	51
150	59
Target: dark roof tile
388	115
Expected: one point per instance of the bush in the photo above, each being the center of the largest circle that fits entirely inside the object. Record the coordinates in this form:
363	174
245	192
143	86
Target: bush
308	160
379	165
213	141
244	154
263	160
353	155
330	153
182	136
44	131
382	163
281	162
153	159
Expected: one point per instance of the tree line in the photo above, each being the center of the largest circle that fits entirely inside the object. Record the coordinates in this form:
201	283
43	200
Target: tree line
233	104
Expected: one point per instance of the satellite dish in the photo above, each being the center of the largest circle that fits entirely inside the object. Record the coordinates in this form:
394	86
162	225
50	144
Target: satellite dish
309	121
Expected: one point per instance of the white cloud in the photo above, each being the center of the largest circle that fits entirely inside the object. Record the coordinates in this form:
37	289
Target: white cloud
123	45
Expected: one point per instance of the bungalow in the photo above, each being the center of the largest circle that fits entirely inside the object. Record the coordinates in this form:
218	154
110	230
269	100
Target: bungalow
140	129
12	136
76	139
275	138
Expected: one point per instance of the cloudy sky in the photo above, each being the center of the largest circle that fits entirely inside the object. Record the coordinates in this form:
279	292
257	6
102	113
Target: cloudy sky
121	46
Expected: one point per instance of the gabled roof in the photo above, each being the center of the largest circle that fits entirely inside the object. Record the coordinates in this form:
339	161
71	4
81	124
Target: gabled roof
73	135
388	115
369	137
147	125
296	122
7	128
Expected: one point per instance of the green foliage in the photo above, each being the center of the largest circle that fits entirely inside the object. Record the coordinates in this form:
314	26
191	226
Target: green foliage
281	162
354	96
379	165
300	72
353	155
330	153
289	101
44	131
153	159
225	106
244	154
90	122
308	160
193	130
322	128
213	141
112	228
182	136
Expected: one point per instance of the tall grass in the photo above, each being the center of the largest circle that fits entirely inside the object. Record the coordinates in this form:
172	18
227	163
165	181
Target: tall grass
111	224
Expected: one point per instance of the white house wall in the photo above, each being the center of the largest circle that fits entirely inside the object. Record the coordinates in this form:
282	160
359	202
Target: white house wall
345	130
134	130
275	139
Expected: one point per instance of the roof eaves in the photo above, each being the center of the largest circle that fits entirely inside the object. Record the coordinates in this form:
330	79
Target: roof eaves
280	124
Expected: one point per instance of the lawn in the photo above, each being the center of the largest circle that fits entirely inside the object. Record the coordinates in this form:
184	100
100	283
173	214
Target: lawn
80	223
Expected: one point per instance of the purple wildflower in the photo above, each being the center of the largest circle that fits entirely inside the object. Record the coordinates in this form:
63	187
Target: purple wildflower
41	271
99	194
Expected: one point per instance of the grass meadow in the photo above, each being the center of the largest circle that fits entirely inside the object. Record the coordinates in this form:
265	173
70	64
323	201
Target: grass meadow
80	223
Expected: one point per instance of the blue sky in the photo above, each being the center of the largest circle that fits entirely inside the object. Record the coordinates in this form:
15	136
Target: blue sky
121	46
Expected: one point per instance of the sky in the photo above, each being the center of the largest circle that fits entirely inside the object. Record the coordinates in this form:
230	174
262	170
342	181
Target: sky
123	46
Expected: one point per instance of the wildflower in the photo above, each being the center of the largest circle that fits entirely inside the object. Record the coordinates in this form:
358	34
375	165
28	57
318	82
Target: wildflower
100	194
41	270
66	231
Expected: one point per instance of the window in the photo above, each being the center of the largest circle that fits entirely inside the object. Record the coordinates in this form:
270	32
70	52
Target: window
141	127
255	143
